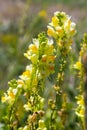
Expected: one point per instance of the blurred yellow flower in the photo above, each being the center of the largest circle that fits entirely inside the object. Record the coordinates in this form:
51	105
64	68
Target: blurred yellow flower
27	106
26	73
81	112
50	32
78	65
11	94
3	99
20	83
59	29
80	101
33	48
43	13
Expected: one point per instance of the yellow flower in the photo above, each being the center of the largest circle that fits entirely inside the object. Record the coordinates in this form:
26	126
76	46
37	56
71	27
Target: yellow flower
55	21
27	106
69	23
59	30
26	73
9	97
43	13
78	65
41	124
11	94
81	53
80	100
33	48
20	83
81	112
34	58
3	99
50	32
57	88
25	128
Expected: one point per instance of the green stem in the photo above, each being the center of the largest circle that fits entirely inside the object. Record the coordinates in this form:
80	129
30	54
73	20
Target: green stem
51	120
10	116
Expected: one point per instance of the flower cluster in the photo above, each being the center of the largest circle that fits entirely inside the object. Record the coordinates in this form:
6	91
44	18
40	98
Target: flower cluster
61	28
80	67
41	54
79	64
29	106
11	94
80	109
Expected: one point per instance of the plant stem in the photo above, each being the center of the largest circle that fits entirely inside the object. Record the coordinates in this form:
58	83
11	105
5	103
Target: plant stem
85	88
85	100
51	121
